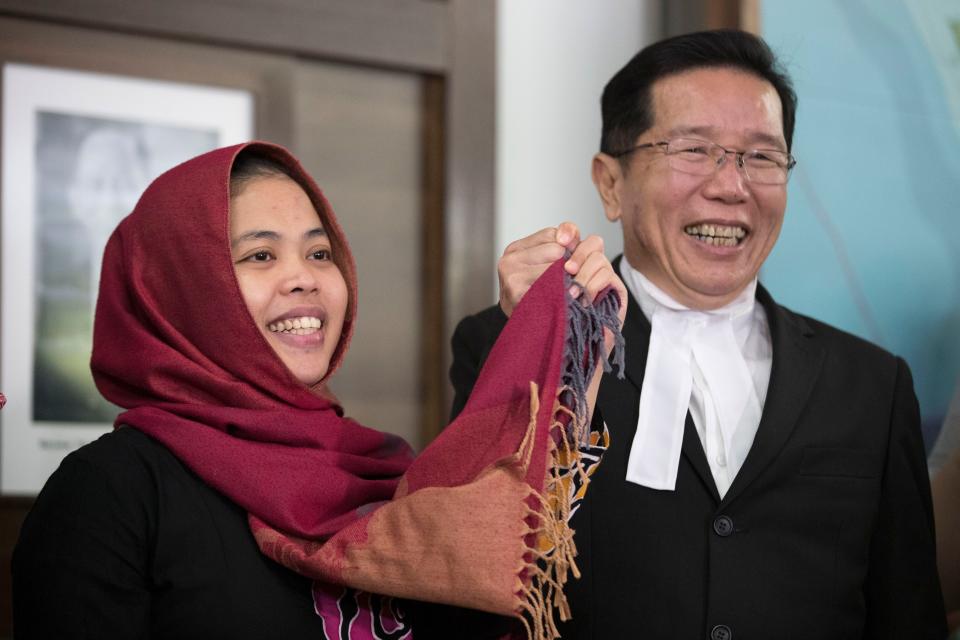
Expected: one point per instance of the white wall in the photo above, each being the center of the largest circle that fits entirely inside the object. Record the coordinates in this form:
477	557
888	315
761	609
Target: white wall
553	59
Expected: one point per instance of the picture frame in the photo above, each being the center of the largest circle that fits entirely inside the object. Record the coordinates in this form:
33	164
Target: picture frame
77	150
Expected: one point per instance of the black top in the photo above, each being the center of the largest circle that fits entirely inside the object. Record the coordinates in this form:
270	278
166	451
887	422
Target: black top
126	542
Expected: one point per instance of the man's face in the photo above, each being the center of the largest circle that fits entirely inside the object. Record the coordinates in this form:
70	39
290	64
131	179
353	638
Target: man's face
668	216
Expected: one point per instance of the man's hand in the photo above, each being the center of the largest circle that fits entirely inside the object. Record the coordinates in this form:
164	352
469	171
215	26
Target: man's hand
526	259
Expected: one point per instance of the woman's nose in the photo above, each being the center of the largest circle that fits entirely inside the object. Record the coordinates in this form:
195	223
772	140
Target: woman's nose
298	277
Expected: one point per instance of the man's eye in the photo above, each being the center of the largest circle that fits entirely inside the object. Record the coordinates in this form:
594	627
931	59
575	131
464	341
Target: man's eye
693	149
761	158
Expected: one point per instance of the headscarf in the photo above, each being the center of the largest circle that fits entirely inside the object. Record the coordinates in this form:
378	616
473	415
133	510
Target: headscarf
477	520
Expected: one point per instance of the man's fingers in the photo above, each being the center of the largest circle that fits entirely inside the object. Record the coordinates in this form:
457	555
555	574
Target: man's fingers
524	260
544	236
568	234
518	271
536	258
591	244
595	275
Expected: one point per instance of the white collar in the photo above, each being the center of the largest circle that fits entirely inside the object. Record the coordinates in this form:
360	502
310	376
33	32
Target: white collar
649	296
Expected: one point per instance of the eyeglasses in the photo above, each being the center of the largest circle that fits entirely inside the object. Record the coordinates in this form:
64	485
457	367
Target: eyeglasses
703	158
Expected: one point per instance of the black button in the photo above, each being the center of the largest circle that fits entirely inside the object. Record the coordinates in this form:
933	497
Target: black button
723	526
721	631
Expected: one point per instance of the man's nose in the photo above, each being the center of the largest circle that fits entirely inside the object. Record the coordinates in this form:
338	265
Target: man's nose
729	179
735	158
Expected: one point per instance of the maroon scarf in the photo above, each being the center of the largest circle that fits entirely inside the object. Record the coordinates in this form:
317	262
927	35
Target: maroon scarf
477	520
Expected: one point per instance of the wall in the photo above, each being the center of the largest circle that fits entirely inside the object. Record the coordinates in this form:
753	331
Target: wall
868	242
553	60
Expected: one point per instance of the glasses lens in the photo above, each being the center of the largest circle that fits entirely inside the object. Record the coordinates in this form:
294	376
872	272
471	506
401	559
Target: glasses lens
690	155
767	166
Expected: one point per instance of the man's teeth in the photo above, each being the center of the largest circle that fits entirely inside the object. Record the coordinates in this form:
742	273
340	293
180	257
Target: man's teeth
717	234
297	326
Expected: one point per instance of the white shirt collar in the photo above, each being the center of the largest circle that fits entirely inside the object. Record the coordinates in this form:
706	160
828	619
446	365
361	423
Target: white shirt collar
649	296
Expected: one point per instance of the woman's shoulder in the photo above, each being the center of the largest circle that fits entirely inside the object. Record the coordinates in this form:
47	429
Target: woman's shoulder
125	461
123	469
124	448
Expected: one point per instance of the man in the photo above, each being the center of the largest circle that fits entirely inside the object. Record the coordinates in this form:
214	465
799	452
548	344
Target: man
766	477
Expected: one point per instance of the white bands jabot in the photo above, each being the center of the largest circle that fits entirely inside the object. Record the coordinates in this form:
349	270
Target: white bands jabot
683	341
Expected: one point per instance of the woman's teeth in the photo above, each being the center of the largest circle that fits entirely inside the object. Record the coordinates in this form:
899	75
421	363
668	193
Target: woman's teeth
297	326
717	234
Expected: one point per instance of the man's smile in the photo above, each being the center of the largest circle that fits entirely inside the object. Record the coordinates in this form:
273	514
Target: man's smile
718	235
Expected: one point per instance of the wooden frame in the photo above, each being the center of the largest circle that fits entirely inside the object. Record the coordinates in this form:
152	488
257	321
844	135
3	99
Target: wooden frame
115	129
409	34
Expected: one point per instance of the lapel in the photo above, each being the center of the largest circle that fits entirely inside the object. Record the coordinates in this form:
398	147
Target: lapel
797	361
636	335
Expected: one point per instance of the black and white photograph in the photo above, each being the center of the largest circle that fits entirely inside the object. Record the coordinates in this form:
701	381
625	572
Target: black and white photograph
90	172
78	150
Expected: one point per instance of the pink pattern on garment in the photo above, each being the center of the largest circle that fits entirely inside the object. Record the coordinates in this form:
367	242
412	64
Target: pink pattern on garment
349	614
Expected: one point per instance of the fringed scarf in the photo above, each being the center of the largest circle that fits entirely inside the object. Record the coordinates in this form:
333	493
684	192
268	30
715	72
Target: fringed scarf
479	519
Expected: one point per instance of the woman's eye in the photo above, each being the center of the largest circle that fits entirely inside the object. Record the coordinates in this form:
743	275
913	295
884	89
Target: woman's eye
259	256
320	254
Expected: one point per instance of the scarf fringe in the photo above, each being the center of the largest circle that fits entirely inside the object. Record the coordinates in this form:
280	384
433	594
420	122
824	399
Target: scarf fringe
546	572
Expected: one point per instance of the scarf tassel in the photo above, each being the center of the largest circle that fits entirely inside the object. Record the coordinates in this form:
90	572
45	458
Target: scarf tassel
551	557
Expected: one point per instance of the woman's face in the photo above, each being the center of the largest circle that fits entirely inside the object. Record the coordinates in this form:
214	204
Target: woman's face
284	265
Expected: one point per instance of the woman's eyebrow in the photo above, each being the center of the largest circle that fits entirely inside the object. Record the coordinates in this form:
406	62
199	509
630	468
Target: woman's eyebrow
255	235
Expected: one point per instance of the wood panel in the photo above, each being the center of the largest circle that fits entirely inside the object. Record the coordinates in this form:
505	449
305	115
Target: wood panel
683	16
433	379
359	133
268	77
407	34
471	155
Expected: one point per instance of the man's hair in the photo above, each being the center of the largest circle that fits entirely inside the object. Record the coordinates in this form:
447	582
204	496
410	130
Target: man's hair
627	104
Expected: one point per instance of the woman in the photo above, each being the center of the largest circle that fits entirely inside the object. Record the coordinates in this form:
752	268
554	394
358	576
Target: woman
235	500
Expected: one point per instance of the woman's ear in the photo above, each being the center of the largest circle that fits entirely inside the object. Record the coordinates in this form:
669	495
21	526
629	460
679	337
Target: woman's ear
608	178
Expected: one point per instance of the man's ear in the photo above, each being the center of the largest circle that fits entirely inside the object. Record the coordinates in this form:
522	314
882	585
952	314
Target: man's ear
607	177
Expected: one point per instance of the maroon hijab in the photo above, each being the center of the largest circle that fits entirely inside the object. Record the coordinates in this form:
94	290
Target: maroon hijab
175	345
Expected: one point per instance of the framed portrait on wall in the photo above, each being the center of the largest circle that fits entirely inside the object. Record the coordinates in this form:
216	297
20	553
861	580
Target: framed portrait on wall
78	149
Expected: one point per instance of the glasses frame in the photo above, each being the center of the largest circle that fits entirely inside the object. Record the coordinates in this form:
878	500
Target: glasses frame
738	155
